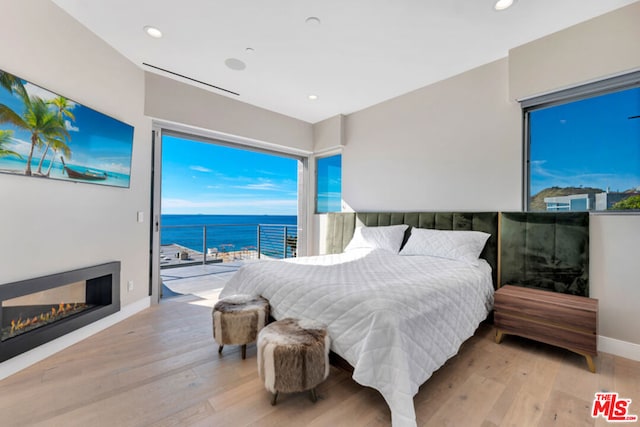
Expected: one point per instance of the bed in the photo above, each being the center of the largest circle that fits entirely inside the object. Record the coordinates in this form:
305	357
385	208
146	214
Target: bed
394	318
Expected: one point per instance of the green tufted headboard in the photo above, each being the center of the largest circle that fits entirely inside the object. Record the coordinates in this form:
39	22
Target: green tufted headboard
546	250
340	227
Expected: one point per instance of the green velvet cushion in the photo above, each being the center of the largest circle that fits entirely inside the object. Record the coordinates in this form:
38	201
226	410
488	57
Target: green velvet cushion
340	228
546	250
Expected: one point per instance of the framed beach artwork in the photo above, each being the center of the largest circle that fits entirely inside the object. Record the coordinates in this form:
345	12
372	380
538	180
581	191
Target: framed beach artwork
45	135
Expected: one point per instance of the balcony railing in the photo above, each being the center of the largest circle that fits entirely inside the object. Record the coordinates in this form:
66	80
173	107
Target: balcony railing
210	243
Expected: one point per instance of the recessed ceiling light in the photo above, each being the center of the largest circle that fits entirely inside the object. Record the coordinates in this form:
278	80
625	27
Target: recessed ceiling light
503	4
153	32
313	20
235	64
249	50
312	97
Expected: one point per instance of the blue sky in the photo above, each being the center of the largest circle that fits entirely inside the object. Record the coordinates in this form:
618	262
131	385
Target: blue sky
206	178
96	141
329	173
573	146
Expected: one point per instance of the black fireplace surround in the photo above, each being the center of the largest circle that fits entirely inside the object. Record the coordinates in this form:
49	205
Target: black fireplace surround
102	298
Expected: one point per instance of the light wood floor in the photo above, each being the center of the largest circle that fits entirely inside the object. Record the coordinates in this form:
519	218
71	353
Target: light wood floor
161	368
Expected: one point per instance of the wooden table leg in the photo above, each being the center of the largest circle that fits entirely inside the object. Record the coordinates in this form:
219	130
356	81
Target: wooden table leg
499	336
590	364
274	398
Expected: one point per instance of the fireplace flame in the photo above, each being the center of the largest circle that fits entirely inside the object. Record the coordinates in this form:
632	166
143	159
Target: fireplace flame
44	318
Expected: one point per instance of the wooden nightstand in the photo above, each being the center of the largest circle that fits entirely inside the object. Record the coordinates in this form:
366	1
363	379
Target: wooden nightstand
567	321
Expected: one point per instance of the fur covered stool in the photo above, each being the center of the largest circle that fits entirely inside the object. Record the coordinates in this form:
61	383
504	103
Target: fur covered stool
293	356
237	319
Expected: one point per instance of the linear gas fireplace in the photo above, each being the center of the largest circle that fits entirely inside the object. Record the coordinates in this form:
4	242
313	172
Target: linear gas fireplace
35	311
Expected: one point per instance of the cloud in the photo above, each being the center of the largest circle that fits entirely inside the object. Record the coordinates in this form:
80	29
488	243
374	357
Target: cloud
19	146
200	169
542	178
265	184
538	171
266	172
262	186
70	127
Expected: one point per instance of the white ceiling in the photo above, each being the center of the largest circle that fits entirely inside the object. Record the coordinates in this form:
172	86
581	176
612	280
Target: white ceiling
362	53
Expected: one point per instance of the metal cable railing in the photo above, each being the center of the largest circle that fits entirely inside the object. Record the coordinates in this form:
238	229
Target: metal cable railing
277	241
210	243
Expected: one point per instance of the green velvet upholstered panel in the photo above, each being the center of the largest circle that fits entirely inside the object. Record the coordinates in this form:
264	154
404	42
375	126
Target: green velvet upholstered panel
546	250
340	227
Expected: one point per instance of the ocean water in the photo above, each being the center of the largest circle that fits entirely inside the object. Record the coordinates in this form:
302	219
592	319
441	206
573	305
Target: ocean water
227	232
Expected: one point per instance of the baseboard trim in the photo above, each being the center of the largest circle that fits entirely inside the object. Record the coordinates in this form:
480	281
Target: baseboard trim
24	360
620	348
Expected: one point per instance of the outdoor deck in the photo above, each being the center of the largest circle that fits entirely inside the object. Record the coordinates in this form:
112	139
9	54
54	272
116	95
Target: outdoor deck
202	280
198	275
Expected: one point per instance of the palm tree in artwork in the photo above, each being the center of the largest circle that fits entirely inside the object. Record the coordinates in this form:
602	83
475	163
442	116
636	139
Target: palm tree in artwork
13	84
5	138
42	122
57	145
63	109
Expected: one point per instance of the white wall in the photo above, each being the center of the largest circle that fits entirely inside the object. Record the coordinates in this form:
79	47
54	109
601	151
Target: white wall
49	226
614	276
604	46
328	134
453	145
177	102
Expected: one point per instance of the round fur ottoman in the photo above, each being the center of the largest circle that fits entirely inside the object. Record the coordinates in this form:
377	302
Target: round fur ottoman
237	319
293	356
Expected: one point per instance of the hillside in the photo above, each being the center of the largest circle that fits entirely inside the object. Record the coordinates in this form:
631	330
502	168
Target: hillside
537	201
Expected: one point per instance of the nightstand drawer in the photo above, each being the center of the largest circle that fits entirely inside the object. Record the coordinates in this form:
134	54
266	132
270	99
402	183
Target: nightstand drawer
568	311
563	320
580	341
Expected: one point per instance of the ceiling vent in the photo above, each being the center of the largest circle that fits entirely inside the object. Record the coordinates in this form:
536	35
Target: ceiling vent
191	79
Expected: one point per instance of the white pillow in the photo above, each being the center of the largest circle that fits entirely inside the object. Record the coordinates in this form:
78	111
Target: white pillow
387	237
460	245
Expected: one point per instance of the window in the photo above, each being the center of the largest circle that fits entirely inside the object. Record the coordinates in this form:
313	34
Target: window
329	184
583	148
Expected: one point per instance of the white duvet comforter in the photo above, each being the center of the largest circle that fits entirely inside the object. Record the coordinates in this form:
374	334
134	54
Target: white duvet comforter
395	319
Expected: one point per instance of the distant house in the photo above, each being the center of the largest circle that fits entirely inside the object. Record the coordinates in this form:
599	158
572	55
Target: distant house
586	202
572	202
